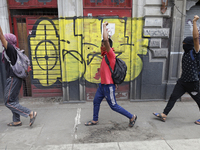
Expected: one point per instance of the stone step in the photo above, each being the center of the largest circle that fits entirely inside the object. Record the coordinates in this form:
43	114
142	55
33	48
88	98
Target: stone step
186	97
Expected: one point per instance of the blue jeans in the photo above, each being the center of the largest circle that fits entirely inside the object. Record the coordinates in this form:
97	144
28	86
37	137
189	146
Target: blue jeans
107	91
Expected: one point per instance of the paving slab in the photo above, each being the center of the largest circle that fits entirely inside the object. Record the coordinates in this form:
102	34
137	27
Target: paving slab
145	145
189	144
96	146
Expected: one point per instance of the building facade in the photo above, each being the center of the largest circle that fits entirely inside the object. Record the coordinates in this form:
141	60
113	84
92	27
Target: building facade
62	39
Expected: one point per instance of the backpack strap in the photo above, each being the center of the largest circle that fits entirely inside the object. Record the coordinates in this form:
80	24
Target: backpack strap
193	59
7	58
108	63
191	54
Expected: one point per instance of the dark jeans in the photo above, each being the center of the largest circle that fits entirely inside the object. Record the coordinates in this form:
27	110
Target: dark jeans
13	85
192	88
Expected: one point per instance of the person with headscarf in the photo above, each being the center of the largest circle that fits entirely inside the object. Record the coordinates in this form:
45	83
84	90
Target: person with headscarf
13	83
189	80
107	87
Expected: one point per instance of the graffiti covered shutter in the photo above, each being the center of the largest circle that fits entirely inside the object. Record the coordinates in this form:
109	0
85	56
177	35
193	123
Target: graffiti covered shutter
45	56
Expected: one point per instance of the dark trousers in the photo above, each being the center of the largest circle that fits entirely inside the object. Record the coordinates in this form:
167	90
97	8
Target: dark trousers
192	88
13	85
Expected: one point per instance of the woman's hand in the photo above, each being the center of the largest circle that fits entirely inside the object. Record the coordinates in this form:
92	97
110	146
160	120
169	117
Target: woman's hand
2	38
195	18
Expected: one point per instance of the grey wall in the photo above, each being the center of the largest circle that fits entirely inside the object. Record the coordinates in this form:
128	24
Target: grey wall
152	83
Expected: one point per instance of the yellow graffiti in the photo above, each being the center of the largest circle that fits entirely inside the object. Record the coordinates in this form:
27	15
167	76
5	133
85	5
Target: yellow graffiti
72	63
127	39
77	46
44	47
139	48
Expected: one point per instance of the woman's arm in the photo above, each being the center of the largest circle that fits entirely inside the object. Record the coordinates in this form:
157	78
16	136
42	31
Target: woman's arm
105	37
2	38
196	34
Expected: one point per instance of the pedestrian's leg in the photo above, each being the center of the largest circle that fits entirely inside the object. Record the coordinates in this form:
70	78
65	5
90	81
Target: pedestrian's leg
194	92
109	91
16	117
8	93
11	100
11	97
178	91
96	106
96	102
111	100
16	120
196	98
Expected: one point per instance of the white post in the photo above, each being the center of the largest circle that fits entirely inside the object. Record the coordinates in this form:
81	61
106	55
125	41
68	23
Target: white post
71	8
4	23
4	19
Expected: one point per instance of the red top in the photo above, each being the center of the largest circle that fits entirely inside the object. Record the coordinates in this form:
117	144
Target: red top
106	77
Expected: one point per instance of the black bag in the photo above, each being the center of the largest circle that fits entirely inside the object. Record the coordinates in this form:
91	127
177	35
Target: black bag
119	73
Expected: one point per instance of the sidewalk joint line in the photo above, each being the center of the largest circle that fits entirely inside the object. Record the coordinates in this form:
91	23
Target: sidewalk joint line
77	122
168	144
118	145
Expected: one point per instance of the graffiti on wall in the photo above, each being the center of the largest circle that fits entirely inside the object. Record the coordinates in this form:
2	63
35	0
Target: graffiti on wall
45	52
69	48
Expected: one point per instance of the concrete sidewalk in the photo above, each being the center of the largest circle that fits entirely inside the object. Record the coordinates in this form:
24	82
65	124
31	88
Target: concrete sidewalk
61	127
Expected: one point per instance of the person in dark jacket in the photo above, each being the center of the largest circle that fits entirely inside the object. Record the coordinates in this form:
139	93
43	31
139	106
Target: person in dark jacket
13	83
189	80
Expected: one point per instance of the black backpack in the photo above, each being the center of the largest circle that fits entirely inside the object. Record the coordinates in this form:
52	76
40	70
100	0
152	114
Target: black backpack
119	73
